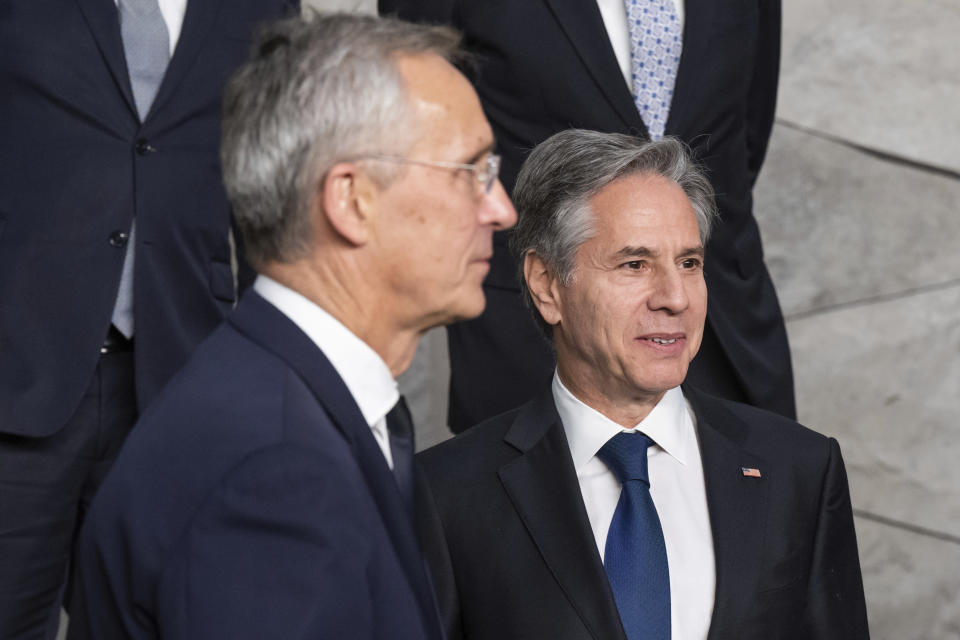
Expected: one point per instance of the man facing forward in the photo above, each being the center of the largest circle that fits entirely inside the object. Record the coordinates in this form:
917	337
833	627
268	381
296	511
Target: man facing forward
618	503
268	491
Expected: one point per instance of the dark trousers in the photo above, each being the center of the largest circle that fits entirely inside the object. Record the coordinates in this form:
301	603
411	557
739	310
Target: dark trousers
46	485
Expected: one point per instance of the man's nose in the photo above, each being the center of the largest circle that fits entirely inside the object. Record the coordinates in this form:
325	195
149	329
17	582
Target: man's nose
670	292
496	208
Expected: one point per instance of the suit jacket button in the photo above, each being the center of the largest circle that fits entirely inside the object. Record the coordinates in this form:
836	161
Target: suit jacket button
118	239
143	147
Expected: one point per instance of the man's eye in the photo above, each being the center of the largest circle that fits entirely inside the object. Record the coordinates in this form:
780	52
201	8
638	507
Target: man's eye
634	264
691	263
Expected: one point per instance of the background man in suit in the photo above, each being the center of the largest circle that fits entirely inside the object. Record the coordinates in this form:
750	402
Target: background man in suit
617	504
268	492
110	115
548	65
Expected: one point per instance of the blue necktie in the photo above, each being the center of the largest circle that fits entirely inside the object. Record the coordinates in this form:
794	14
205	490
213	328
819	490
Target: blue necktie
146	45
635	556
400	430
655	44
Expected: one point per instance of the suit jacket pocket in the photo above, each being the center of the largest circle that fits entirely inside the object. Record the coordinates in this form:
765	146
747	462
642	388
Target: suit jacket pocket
222	282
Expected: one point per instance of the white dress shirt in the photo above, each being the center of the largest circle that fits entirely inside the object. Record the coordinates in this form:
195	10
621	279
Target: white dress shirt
172	12
365	374
614	14
677	488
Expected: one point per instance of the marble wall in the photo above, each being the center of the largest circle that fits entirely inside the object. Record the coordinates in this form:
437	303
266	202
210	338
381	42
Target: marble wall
859	205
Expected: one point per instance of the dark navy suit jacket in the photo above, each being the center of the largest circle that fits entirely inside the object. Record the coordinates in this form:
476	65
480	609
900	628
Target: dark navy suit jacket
513	554
76	167
547	65
252	501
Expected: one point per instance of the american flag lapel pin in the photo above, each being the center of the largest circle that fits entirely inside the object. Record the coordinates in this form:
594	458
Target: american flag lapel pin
750	472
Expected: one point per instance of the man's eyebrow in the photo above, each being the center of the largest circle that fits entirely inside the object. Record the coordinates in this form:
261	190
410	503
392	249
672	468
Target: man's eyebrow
694	251
646	252
635	252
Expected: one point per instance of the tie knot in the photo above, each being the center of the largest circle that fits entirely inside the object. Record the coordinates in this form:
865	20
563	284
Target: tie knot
626	455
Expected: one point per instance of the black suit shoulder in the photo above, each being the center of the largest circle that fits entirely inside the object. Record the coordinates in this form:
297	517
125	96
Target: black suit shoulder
231	404
462	474
477	448
782	442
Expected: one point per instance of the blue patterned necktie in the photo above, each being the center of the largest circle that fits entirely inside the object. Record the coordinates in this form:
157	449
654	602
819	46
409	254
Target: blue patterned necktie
146	45
655	45
635	556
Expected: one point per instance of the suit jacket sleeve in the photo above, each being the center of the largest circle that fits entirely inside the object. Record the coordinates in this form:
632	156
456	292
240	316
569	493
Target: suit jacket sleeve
835	602
280	549
762	96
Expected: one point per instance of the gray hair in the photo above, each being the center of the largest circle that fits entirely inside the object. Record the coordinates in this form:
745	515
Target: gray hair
316	91
557	181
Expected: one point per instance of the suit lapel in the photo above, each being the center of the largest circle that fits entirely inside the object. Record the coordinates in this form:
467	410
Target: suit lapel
104	23
543	487
698	16
738	510
197	24
267	326
583	25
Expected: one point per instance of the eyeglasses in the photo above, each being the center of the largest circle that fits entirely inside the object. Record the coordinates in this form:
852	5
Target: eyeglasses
484	172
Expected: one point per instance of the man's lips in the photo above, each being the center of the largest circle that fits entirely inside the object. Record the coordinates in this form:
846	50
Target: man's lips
664	340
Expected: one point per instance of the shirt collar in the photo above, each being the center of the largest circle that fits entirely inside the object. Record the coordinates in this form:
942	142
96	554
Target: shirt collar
366	375
669	425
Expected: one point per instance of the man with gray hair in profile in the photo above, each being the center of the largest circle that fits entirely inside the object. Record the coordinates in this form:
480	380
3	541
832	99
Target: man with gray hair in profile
621	504
269	493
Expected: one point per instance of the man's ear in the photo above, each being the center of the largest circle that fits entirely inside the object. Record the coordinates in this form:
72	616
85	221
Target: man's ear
544	287
347	198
